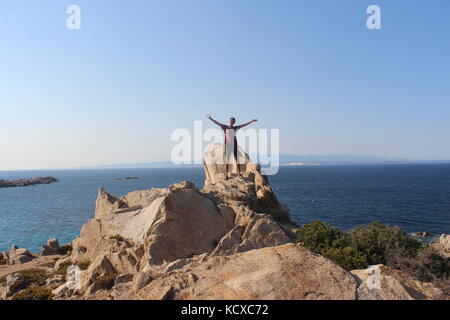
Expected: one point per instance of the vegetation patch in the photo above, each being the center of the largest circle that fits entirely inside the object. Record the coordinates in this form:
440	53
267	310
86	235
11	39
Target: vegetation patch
27	278
373	244
34	276
34	293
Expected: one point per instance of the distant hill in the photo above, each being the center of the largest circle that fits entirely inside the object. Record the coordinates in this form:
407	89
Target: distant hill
288	158
285	159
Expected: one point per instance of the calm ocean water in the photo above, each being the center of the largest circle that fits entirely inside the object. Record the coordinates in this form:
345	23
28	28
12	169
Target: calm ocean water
415	197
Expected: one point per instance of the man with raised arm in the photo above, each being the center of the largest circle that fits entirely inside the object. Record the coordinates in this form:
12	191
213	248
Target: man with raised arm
230	141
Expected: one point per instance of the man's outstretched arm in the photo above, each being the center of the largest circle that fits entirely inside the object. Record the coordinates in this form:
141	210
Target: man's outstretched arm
216	122
246	124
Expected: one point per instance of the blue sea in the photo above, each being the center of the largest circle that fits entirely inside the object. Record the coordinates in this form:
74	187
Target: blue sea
415	197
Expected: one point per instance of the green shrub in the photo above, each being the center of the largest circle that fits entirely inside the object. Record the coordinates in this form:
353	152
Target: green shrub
36	277
34	293
378	242
331	243
318	236
347	257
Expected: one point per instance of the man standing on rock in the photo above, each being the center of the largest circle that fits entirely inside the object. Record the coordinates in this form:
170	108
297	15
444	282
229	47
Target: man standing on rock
230	141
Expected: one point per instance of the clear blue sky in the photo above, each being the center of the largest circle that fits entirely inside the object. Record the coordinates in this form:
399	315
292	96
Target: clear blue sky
114	91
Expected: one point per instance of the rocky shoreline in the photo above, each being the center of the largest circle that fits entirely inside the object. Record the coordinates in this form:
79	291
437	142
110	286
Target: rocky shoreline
26	182
232	239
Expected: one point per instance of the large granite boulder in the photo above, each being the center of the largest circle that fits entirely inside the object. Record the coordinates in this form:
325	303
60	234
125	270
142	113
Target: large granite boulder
287	272
181	222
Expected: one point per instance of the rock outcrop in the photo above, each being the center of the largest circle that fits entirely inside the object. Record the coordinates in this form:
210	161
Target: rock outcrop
16	256
442	246
147	229
51	248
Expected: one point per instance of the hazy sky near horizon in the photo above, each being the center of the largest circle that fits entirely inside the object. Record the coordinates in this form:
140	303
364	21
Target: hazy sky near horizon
114	91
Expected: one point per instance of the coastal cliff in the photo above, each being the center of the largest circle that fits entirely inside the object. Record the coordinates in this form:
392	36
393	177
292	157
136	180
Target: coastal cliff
232	239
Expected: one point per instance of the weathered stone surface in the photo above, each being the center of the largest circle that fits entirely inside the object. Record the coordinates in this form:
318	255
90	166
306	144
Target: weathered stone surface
20	259
11	285
282	272
442	246
383	283
17	256
252	188
260	232
62	261
100	268
51	248
106	203
187	223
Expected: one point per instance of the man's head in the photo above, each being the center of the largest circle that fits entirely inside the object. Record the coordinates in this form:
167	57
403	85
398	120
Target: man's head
232	121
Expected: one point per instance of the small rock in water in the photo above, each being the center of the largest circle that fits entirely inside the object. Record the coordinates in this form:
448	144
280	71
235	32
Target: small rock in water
422	234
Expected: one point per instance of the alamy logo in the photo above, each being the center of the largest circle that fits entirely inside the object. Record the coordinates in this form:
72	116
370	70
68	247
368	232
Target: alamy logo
374	280
191	147
374	20
73	22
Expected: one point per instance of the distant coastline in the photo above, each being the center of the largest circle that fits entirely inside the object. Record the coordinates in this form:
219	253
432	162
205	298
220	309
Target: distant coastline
26	182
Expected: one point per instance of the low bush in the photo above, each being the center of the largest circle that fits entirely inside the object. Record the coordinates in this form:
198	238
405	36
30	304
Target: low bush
34	293
373	244
378	242
36	277
27	278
